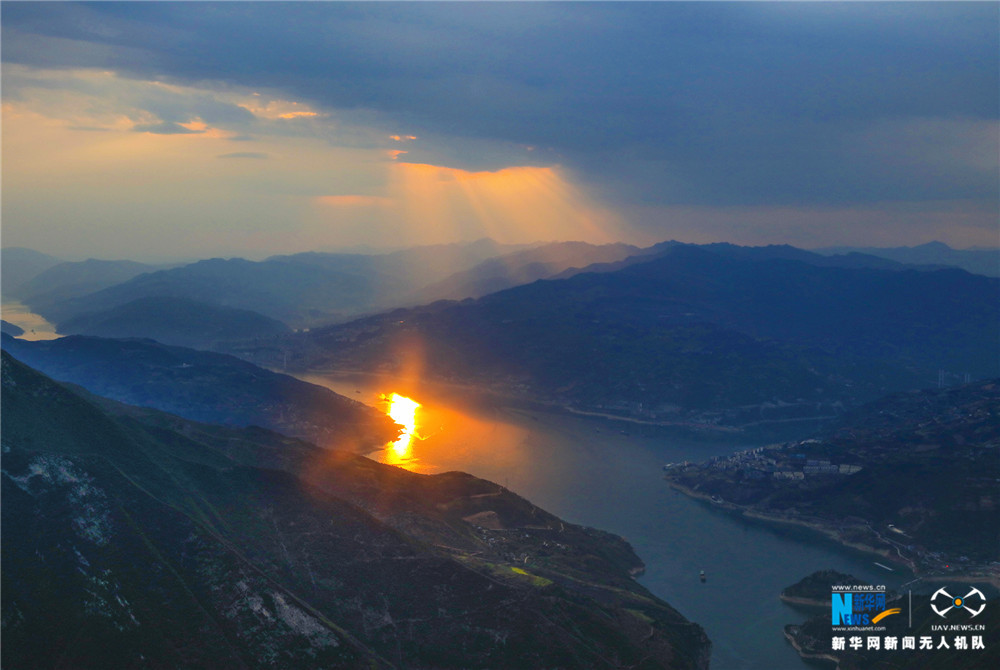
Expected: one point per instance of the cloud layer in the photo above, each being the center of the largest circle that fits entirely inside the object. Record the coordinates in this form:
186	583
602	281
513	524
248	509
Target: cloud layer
650	107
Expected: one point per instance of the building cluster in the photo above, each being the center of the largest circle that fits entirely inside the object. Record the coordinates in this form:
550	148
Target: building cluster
764	462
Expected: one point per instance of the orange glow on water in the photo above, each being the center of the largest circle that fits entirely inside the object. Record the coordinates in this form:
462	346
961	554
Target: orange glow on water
403	411
449	434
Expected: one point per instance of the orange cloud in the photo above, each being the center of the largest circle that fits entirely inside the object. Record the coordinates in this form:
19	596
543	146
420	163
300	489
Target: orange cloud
276	108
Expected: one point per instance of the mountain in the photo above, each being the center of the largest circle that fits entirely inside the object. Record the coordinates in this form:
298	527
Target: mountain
11	329
177	321
522	267
693	330
73	279
977	261
912	476
208	387
139	539
300	290
849	259
285	291
769	252
414	266
19	265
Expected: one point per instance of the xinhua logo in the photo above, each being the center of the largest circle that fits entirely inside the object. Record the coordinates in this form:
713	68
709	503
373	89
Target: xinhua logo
944	604
859	609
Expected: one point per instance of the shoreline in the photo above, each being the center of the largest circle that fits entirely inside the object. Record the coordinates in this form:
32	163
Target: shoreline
833	534
804	602
829	658
504	398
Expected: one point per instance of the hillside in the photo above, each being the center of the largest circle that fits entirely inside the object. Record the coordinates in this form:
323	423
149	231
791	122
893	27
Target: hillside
142	539
177	321
912	476
522	267
19	265
73	279
208	387
285	291
978	261
11	329
693	334
301	290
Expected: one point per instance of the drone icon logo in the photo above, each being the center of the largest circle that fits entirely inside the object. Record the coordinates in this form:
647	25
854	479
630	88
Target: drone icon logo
943	602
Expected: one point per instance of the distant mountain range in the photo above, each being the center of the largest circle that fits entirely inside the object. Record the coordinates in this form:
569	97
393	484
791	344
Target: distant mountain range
69	280
314	289
18	265
178	321
696	329
978	261
133	538
523	267
299	290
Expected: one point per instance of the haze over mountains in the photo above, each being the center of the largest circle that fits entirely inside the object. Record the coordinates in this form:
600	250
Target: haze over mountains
978	261
717	334
299	290
311	289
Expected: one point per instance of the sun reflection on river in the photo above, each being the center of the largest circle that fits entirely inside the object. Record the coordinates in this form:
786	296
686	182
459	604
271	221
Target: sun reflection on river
403	411
450	431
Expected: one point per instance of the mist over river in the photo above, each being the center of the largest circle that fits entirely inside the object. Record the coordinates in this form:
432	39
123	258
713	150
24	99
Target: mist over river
608	475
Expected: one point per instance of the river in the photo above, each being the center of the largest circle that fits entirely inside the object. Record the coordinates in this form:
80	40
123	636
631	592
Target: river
34	325
588	471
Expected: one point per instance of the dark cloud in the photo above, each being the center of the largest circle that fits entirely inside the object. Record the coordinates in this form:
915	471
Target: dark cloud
697	103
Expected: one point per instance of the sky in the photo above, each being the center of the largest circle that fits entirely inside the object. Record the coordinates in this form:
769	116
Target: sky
186	130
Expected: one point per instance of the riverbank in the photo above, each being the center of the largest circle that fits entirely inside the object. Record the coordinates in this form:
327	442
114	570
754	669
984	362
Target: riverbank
34	325
804	602
791	634
974	574
499	395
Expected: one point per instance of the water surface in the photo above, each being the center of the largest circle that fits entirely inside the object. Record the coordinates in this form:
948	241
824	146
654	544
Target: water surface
35	326
608	475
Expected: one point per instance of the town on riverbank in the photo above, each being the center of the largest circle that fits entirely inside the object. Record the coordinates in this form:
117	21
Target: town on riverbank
914	478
